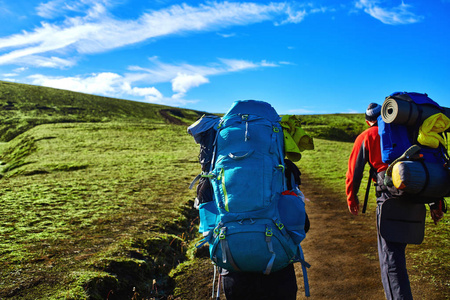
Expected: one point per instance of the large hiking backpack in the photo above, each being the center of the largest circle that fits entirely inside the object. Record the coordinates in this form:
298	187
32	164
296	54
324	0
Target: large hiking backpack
253	223
419	172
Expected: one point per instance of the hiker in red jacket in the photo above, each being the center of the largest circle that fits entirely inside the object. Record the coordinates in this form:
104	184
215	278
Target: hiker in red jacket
391	252
366	149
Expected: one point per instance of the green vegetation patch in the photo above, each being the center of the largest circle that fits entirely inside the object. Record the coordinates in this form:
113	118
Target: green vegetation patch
336	127
107	202
23	107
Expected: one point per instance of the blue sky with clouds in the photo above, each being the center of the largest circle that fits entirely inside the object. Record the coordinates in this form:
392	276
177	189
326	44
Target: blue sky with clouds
303	57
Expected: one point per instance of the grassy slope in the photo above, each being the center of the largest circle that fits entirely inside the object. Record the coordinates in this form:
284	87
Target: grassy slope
93	203
24	106
85	204
337	127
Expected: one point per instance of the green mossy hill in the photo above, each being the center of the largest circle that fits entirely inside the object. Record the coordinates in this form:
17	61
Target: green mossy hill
24	106
95	210
334	127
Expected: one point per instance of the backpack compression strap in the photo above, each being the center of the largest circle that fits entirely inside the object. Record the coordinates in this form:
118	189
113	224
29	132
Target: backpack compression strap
226	253
407	155
269	234
304	266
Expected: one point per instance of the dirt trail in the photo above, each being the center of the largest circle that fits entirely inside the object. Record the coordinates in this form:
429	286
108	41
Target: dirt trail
342	250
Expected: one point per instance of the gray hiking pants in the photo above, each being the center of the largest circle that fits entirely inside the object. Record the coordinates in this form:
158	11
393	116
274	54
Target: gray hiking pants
394	274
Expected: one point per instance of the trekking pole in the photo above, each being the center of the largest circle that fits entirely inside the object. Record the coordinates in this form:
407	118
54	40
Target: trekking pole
366	196
214	281
218	287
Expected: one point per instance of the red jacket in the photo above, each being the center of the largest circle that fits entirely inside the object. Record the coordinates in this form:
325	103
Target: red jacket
366	149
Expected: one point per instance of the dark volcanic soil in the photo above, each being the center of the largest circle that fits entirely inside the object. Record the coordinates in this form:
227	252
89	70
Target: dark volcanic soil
341	248
342	251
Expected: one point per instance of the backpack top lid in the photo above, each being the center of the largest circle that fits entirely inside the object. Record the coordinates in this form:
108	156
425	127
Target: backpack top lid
417	98
254	107
198	128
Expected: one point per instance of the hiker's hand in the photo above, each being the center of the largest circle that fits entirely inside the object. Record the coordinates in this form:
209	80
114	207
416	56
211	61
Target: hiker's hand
354	209
436	215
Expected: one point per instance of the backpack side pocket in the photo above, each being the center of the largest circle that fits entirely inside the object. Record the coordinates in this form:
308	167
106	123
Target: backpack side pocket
208	216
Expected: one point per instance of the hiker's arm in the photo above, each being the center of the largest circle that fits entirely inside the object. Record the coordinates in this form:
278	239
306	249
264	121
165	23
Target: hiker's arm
356	162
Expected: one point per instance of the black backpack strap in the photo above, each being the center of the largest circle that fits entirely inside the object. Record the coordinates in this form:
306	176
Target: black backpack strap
372	173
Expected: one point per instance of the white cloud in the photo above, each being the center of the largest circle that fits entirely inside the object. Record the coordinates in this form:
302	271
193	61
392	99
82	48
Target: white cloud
163	72
100	83
21	69
182	78
322	9
287	63
105	84
150	94
9	79
56	8
46	62
184	82
294	16
265	63
49	9
97	31
391	16
227	35
233	65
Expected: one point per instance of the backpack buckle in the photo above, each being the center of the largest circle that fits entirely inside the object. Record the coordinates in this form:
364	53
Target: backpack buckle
222	233
279	225
216	230
269	232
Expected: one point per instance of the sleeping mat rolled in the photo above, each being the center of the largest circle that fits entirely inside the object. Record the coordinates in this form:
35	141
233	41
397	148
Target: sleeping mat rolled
411	177
408	113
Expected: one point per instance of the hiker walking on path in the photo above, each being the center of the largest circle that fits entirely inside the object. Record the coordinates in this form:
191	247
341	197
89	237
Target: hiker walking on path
252	212
391	247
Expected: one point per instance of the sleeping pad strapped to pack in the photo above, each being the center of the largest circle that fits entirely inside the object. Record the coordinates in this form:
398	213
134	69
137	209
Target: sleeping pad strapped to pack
405	124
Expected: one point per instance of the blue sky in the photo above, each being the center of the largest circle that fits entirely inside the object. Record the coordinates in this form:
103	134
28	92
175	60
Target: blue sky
303	57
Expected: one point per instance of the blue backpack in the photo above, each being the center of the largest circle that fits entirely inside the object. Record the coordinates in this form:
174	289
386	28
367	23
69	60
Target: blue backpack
253	224
402	114
407	111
